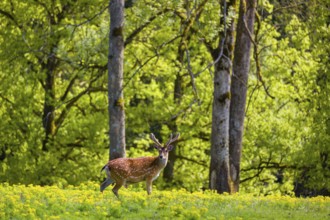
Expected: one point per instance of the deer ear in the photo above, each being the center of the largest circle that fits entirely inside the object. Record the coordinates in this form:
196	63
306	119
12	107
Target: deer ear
169	148
156	146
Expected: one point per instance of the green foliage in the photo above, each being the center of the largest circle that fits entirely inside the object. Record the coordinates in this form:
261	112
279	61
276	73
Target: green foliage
86	202
31	38
286	139
282	146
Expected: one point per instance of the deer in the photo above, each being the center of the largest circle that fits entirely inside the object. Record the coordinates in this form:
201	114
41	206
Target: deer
124	171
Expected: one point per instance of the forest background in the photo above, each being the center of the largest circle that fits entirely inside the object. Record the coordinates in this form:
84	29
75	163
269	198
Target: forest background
53	58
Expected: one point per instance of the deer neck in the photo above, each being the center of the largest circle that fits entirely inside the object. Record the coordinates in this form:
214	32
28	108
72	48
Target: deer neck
161	162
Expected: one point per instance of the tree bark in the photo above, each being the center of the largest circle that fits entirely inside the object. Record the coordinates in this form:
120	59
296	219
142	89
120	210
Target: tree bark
168	173
49	101
50	66
241	65
219	176
115	80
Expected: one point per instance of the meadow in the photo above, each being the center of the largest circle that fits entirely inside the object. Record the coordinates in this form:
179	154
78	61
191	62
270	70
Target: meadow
86	202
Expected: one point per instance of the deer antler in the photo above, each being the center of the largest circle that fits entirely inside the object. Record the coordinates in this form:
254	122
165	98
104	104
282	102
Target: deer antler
172	139
152	137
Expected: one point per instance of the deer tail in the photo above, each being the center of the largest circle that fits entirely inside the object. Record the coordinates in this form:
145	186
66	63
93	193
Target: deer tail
103	167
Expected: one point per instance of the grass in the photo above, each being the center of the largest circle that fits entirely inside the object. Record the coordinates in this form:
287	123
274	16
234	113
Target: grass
86	202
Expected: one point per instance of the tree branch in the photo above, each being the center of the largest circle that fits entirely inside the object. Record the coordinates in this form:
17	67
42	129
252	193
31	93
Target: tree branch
182	111
88	20
192	77
6	99
44	6
68	88
256	53
11	17
191	160
139	69
190	19
130	38
72	101
149	59
296	5
215	61
219	50
8	15
265	165
256	87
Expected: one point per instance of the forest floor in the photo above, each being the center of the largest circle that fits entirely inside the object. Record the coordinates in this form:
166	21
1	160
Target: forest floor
86	202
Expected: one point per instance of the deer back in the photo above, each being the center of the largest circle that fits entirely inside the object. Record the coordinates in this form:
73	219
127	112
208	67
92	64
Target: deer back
135	169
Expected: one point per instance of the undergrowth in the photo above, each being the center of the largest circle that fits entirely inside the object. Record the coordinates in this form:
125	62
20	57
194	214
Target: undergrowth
86	202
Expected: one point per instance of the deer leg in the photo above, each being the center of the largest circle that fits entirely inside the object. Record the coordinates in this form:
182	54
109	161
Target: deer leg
108	181
149	185
116	188
105	184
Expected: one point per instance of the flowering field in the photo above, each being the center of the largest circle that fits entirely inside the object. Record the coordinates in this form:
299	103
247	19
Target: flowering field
86	202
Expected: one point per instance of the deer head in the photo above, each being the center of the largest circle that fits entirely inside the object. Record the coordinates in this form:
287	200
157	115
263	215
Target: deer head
163	150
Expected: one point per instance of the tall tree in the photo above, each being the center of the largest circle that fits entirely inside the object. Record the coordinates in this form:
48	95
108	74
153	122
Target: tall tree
115	80
186	27
219	168
241	65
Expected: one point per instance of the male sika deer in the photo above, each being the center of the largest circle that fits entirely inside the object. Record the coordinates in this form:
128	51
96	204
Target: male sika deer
124	171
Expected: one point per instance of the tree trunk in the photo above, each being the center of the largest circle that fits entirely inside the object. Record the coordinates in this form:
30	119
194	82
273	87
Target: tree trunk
168	172
241	65
219	169
48	116
49	108
115	80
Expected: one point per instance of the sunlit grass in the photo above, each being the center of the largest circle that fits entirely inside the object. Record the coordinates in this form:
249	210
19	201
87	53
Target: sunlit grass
86	202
